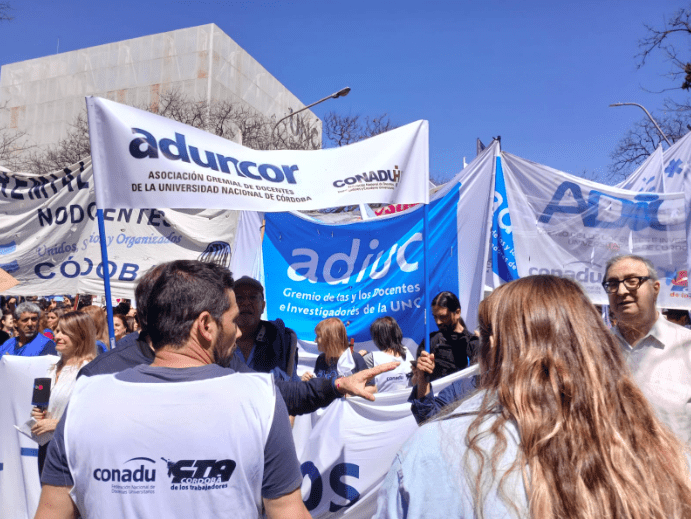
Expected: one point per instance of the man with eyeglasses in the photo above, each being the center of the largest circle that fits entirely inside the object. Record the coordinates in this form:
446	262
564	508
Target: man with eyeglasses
658	351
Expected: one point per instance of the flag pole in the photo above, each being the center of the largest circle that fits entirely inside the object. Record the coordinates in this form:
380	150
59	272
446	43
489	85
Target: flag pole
426	301
106	277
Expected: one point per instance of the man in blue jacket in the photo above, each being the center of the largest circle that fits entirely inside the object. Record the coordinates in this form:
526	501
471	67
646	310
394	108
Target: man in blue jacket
28	342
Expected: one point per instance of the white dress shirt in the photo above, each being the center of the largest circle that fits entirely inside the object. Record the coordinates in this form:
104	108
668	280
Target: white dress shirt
661	365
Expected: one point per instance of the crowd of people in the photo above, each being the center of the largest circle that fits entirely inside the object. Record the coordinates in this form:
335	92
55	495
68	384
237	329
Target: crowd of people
566	418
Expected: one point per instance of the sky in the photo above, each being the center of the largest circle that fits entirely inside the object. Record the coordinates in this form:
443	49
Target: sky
540	74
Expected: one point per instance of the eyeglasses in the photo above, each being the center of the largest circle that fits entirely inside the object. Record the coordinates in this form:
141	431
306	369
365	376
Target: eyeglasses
631	283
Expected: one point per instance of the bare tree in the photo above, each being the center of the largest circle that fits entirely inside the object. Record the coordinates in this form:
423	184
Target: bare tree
341	130
13	148
227	119
641	140
5	9
70	149
664	40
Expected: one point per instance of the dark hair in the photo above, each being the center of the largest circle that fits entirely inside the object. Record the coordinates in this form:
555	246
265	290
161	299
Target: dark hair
122	308
182	291
141	295
386	335
125	323
447	300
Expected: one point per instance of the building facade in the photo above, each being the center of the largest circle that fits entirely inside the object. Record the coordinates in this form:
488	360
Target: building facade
44	96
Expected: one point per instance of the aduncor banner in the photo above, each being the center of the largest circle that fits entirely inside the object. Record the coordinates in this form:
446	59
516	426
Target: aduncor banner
144	160
49	237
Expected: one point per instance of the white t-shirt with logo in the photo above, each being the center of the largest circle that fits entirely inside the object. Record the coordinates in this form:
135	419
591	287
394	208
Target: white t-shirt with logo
395	379
191	448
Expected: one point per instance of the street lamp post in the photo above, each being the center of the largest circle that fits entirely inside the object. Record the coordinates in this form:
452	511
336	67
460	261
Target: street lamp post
341	93
649	116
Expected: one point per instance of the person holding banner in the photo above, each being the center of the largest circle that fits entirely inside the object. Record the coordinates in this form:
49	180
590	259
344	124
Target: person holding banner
388	338
336	358
453	346
558	428
658	351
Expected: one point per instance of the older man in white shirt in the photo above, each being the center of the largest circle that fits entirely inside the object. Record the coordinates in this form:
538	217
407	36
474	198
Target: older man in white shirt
658	351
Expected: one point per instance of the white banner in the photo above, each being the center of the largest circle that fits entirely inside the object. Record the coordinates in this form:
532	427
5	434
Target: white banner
676	163
347	449
568	226
649	176
662	172
144	160
49	237
19	483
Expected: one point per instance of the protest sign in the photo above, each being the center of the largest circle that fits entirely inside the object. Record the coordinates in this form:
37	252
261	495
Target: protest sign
568	226
19	484
359	271
49	239
347	449
145	160
649	176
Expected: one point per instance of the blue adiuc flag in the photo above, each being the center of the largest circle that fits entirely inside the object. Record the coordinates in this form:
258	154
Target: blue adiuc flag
503	252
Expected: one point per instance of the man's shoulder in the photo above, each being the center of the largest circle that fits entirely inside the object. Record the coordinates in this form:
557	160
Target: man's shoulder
125	355
40	340
273	328
7	345
673	335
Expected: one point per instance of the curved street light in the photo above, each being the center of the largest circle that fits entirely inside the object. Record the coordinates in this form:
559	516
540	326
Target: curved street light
341	93
649	116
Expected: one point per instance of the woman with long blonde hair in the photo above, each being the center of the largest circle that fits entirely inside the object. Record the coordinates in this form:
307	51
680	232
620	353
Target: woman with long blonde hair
75	342
558	427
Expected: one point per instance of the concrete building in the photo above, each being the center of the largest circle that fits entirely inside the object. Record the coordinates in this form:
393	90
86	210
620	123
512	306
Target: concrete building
44	96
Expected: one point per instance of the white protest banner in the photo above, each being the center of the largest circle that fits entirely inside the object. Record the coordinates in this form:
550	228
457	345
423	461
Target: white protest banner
145	160
346	450
568	226
676	161
649	176
49	239
19	484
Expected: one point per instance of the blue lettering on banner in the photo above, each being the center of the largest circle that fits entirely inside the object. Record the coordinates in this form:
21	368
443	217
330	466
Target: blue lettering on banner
503	252
317	488
340	488
147	146
358	272
71	268
76	214
638	214
16	188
